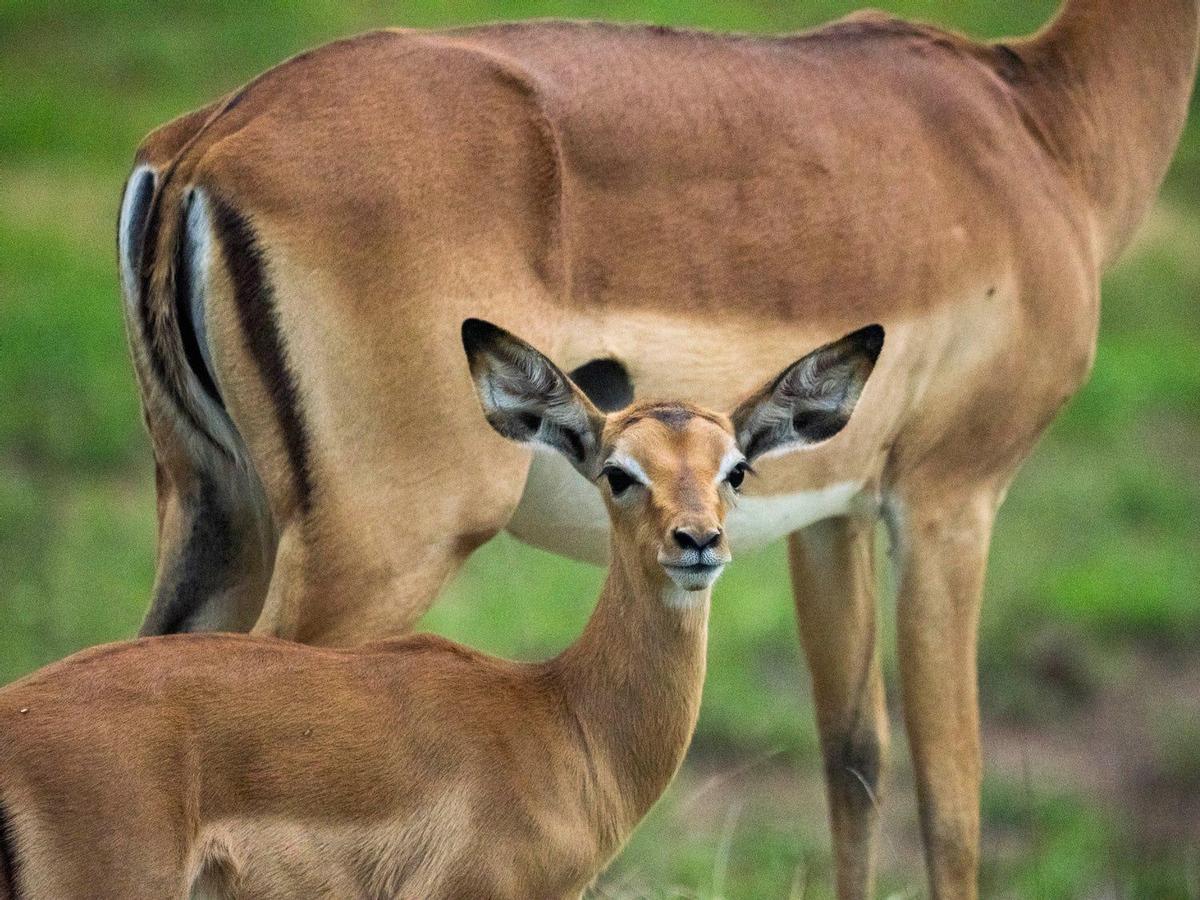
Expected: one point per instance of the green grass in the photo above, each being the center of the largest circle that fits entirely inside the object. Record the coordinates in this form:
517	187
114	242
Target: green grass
1097	552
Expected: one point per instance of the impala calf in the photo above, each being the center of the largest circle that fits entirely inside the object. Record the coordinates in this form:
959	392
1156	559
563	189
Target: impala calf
237	766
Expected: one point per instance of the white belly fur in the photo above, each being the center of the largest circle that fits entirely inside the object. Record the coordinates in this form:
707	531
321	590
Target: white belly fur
561	513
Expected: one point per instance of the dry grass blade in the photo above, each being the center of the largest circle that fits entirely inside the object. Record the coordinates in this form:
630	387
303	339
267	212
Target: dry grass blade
725	848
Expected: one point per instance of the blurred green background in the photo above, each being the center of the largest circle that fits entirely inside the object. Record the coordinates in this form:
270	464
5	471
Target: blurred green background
1090	655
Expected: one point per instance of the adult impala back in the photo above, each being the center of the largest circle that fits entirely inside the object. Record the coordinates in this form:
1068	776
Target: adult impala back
666	213
234	766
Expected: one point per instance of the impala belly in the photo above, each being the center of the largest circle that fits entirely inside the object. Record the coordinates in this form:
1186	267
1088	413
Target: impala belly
756	522
562	513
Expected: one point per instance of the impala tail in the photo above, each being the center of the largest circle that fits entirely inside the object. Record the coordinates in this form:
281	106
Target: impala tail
165	246
214	531
1106	87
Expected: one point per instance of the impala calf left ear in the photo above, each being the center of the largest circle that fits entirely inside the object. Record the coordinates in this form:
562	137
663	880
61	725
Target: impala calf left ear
528	399
811	400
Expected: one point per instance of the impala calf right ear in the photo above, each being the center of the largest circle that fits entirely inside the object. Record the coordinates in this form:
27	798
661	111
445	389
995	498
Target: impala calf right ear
528	399
811	400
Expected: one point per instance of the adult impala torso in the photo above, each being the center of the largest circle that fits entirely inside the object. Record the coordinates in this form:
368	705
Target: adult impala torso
685	212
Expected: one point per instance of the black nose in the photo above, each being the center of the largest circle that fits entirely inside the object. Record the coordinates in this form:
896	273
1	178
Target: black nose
695	539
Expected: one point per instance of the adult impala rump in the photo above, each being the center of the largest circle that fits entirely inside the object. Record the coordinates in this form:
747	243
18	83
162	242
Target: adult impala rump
665	213
246	767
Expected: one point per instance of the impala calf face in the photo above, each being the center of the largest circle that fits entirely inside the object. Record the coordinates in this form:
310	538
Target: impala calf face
669	471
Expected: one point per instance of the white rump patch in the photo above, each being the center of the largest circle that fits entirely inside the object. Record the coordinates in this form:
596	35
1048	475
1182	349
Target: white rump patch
134	207
197	237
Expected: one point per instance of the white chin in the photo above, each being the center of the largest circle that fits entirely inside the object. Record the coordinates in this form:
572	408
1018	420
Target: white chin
694	578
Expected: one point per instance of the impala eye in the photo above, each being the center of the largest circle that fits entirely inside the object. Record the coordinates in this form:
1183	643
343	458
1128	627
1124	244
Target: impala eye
618	479
737	475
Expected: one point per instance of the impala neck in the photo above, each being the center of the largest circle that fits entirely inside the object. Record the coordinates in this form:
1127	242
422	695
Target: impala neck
633	681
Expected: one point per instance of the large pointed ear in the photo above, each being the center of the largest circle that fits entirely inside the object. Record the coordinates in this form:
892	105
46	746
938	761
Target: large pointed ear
811	400
528	399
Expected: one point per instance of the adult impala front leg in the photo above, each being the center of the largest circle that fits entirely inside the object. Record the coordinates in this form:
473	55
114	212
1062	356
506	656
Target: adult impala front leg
941	543
834	579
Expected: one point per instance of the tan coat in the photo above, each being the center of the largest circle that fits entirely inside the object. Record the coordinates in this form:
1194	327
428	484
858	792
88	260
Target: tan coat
681	203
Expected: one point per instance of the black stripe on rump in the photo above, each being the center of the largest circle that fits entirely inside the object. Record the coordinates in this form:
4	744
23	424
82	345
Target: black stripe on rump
185	284
9	864
255	302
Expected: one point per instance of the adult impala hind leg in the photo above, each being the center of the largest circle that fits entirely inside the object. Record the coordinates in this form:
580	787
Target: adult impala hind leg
368	554
215	543
357	567
941	539
834	579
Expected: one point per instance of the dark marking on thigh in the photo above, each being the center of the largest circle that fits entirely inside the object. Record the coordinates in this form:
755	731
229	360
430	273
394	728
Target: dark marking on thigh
259	320
134	229
202	568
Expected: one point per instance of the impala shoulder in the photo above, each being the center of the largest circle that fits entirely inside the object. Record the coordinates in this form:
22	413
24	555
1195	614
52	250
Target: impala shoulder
432	644
881	30
470	51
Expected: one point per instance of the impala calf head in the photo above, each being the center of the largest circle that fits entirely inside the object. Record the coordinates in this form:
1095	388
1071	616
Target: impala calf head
668	471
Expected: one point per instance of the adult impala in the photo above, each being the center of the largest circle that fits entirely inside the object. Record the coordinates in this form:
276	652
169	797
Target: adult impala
239	766
666	212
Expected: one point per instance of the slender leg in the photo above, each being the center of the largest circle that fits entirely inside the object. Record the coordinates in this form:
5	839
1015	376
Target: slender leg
347	592
942	544
214	545
360	566
834	579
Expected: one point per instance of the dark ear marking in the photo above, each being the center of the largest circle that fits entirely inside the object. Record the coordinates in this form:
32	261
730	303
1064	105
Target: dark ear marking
811	400
528	399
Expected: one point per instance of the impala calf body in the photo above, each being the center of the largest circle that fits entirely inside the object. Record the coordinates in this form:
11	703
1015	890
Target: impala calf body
222	766
668	213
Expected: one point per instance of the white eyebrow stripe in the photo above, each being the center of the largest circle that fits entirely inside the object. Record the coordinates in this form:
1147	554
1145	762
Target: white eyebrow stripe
732	459
629	465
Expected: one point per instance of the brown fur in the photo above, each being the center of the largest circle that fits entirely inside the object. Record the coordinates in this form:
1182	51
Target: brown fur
684	203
